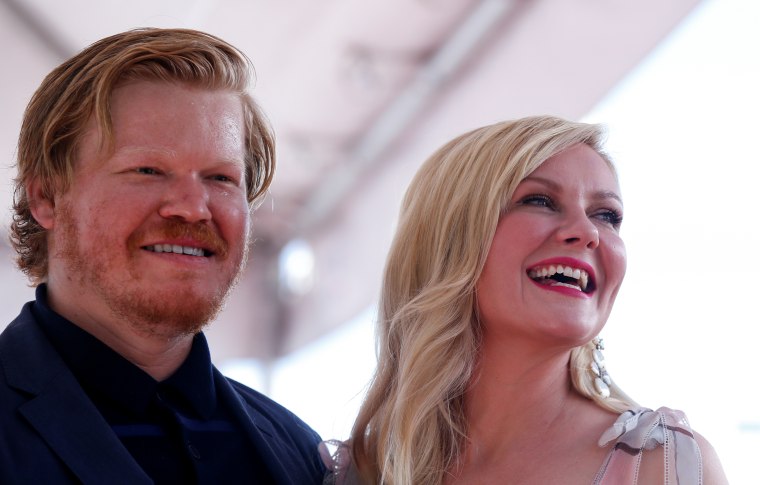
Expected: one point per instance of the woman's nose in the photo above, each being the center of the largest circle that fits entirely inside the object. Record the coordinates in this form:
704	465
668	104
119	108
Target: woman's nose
579	229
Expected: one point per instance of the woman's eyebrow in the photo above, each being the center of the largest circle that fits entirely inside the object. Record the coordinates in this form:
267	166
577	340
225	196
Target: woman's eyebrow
607	194
553	185
543	181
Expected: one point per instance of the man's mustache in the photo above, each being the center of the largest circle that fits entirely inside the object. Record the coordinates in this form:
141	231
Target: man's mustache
171	229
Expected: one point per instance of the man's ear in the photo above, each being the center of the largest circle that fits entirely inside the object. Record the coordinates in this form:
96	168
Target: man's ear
41	205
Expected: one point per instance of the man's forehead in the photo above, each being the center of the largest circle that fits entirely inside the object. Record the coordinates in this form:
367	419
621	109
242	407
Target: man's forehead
141	101
155	118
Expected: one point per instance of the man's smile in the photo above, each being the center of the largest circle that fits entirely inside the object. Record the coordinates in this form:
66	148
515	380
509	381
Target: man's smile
178	249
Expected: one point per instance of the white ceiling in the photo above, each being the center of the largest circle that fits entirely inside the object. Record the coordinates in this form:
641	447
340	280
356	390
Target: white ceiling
359	93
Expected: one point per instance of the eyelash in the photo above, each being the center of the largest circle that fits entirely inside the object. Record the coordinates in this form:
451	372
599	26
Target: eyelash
545	200
610	216
541	200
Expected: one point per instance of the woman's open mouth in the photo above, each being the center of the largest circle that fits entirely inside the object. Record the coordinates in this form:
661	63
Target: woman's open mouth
562	275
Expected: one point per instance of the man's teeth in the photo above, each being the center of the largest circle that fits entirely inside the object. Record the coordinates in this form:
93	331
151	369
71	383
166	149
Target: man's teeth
548	271
176	249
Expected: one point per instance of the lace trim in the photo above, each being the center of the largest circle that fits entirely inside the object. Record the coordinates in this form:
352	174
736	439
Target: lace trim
336	455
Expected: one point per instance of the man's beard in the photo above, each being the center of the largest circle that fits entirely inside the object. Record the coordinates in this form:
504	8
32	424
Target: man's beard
172	316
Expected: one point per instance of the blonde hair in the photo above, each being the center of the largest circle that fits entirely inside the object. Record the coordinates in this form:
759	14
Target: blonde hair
411	425
80	88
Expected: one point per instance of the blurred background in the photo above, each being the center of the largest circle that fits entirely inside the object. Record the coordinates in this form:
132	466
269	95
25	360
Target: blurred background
360	92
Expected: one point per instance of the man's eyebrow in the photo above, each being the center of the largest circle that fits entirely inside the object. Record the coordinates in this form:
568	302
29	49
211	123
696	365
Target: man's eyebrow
599	195
130	150
165	152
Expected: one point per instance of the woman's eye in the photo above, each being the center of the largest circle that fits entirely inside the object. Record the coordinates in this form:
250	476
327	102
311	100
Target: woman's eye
611	217
538	200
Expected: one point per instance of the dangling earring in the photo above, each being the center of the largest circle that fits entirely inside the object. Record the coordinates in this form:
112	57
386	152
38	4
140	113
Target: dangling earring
602	379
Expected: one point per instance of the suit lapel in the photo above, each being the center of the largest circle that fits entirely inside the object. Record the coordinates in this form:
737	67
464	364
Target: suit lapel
74	429
69	423
61	412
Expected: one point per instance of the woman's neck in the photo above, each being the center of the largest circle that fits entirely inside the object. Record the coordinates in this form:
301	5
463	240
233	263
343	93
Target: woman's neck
522	411
517	393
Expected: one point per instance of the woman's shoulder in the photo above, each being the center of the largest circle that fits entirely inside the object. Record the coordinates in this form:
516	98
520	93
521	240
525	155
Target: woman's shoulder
711	467
657	446
643	428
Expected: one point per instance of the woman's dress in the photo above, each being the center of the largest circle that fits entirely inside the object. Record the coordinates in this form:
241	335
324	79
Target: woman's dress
633	433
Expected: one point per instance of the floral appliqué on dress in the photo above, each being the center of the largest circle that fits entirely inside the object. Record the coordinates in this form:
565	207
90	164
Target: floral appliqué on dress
638	430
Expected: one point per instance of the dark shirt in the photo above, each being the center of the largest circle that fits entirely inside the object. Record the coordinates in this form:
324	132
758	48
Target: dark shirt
176	430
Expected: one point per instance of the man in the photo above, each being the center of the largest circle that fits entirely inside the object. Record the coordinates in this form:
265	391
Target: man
140	160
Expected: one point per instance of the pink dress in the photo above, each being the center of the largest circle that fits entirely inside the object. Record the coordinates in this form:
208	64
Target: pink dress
633	433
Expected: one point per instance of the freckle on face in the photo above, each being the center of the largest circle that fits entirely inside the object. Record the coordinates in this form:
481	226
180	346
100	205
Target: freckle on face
102	223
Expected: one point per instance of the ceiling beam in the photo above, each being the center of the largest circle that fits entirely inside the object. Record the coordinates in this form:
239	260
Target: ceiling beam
403	110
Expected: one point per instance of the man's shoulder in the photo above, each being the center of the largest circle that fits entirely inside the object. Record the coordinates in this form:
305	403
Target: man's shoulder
292	440
278	415
25	317
22	344
256	398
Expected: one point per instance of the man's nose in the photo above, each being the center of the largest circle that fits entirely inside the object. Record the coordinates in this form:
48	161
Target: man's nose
186	198
578	229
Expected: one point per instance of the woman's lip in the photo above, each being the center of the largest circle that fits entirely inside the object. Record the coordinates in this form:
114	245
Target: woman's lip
591	286
564	290
566	261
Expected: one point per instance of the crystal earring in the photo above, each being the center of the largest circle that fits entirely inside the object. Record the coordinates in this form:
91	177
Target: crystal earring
602	379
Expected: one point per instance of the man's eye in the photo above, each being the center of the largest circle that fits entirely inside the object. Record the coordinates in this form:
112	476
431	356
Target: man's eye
539	200
147	170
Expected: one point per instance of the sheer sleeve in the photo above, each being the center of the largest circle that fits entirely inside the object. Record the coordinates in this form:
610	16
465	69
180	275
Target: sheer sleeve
336	456
639	430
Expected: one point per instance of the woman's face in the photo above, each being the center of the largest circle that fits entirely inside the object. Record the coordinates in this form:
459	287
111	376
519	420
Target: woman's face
557	260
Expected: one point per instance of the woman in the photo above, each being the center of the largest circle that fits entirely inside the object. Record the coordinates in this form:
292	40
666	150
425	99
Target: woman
503	271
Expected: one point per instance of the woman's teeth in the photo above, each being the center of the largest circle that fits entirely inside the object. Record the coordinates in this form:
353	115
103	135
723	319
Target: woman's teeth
559	275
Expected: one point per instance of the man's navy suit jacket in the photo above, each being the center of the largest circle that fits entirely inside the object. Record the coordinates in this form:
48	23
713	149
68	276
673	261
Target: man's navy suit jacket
51	433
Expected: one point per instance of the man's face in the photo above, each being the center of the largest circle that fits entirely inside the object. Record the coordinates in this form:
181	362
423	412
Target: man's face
155	232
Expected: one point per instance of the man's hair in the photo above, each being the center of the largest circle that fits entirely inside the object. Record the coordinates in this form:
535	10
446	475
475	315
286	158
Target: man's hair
80	90
412	422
